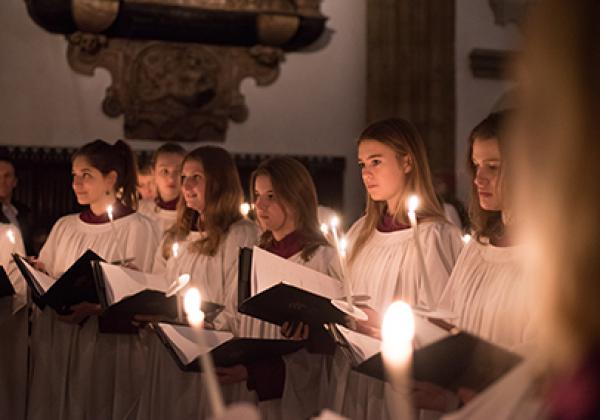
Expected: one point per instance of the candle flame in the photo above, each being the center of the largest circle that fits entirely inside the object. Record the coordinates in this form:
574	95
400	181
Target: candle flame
324	228
175	249
397	331
334	222
466	238
245	209
413	203
109	211
11	236
191	304
343	246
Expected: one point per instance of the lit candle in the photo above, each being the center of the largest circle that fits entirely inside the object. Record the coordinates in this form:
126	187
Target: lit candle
397	332
11	236
324	229
413	204
109	212
466	238
245	209
195	317
175	249
341	246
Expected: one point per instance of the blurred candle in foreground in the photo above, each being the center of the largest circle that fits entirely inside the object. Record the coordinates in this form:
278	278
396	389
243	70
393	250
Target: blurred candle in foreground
397	332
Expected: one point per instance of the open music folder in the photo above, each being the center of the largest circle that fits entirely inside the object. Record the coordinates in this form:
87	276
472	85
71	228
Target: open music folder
450	360
6	287
276	290
76	285
124	292
182	342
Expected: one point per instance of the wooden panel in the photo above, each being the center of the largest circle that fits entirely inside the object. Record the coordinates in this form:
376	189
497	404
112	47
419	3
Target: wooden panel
410	70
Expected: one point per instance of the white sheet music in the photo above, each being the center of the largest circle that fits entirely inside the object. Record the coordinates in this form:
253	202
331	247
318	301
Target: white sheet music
364	346
185	340
269	270
43	280
122	282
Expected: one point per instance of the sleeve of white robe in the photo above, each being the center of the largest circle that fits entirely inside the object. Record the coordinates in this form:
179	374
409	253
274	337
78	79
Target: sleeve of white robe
241	234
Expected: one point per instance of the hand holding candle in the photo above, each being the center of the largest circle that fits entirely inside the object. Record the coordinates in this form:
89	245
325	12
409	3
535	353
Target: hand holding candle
397	331
192	303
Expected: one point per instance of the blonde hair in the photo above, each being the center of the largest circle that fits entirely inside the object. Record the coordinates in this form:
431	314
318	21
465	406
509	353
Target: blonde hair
403	137
560	191
294	189
222	197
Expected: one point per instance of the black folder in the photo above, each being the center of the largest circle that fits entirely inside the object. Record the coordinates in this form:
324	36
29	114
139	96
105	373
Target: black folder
283	302
6	287
76	285
234	351
117	317
460	360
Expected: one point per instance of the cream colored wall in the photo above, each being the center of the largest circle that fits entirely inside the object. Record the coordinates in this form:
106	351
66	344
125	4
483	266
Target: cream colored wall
316	106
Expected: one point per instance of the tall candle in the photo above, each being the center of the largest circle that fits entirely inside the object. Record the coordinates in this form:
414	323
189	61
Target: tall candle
195	316
109	211
413	204
397	331
341	246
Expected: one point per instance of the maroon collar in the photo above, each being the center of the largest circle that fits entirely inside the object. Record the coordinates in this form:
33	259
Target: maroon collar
167	205
290	245
119	210
389	224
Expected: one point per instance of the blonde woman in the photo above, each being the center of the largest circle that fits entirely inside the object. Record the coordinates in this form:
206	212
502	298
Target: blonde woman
383	261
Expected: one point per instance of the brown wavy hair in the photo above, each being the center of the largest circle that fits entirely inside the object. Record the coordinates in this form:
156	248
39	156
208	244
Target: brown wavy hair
402	136
489	223
223	197
294	188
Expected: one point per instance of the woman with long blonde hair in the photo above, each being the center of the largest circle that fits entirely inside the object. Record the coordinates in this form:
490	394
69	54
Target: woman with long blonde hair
383	260
209	231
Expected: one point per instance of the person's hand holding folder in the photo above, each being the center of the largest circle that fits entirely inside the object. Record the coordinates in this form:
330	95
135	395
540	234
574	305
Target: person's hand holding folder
80	312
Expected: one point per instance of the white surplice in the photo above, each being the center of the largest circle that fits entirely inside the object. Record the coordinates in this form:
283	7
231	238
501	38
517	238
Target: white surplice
168	392
13	330
77	372
386	269
162	220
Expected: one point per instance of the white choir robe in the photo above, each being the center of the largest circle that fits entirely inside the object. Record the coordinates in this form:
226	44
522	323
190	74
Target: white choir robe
307	375
77	372
387	269
162	219
168	392
490	294
13	331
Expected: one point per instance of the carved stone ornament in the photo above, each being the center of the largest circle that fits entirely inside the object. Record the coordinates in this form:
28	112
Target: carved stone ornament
173	91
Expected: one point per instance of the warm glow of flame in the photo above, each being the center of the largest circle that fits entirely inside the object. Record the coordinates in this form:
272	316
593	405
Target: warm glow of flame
466	238
343	246
191	305
175	249
324	228
334	222
413	203
397	332
11	236
109	211
245	209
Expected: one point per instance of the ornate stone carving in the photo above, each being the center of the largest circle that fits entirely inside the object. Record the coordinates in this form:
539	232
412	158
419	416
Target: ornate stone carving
173	91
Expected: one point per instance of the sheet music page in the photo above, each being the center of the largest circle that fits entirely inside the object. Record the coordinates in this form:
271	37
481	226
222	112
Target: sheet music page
427	333
269	270
123	282
363	346
43	280
184	340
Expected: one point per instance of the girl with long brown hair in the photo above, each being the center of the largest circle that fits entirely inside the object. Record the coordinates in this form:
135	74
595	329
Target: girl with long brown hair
383	261
76	371
209	231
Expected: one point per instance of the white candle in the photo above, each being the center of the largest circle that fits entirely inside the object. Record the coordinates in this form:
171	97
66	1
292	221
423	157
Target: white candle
109	212
397	331
245	209
195	316
413	204
341	246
